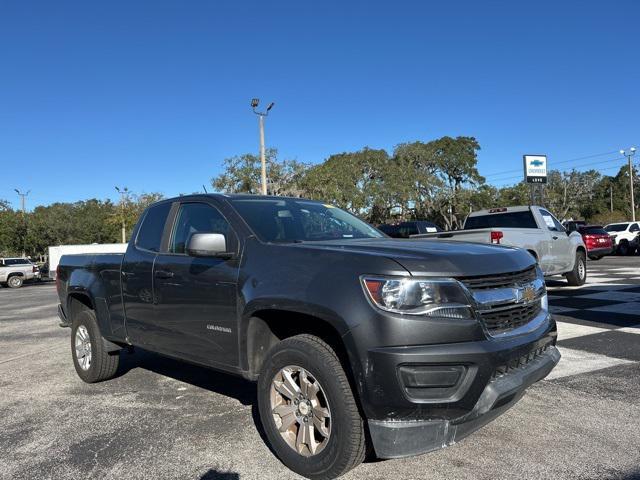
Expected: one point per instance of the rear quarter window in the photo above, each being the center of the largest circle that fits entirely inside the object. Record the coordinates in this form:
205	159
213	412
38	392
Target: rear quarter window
150	233
502	220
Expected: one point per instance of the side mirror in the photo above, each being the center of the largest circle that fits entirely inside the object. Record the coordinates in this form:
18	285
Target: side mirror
208	245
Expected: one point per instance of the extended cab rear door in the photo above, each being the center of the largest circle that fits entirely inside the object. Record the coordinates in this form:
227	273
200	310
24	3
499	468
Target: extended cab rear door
137	275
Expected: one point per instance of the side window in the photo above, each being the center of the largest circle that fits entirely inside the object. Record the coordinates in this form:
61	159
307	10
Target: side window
150	233
634	228
408	229
197	218
551	222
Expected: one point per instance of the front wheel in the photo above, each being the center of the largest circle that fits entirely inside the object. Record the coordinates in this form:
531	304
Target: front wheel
308	410
578	276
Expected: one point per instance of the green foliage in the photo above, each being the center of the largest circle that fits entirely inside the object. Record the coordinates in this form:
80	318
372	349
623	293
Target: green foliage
243	174
436	180
89	221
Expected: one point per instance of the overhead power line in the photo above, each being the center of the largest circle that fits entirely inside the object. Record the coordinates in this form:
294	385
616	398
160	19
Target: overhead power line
516	177
600	162
562	162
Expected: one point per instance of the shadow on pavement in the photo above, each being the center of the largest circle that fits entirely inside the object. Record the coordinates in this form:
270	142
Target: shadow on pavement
212	474
225	384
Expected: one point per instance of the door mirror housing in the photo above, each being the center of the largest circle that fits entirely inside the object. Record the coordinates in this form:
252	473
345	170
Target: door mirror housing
208	245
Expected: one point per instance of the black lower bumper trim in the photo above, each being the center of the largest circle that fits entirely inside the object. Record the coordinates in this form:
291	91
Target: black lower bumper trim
394	439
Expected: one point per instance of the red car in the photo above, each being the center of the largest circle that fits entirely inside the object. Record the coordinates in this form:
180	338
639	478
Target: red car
597	241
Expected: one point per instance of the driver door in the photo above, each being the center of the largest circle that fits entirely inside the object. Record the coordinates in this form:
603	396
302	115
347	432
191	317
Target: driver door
196	296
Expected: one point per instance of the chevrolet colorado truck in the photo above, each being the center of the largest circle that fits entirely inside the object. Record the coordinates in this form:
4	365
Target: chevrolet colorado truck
557	250
358	342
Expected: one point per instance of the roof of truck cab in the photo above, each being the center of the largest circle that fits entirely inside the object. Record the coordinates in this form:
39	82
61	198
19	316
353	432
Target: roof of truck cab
499	210
238	196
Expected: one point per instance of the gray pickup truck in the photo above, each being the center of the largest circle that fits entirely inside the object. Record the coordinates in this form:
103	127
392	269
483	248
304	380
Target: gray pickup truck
15	271
557	250
358	342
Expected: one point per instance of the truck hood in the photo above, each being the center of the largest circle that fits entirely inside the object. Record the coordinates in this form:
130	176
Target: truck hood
435	257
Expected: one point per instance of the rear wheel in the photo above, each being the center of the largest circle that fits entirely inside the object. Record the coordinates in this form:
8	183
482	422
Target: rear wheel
15	282
595	257
308	411
92	361
578	275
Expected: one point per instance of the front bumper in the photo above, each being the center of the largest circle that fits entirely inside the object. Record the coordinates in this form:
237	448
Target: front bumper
393	439
423	397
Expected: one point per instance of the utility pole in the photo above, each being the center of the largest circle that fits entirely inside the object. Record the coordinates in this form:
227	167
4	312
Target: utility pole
263	160
123	194
611	196
24	218
629	154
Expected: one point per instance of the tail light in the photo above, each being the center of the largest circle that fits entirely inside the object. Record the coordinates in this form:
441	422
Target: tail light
496	237
35	269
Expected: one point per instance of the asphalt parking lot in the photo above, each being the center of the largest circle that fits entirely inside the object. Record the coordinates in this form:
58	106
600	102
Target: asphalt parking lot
163	419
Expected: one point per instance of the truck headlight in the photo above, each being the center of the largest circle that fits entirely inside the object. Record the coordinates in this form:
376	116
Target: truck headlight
411	296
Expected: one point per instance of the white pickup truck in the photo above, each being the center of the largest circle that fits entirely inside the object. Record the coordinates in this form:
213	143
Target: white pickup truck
558	251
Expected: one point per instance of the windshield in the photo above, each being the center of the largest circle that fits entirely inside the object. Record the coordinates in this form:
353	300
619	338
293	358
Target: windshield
616	227
290	220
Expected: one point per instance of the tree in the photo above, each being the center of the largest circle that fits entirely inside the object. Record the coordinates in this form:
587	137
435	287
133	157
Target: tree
242	174
367	182
567	192
11	230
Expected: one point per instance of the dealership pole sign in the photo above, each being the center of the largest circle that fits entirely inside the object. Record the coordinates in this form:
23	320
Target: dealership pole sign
535	168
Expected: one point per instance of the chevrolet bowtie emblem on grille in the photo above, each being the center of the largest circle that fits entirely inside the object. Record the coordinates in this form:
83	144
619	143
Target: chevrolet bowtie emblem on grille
525	294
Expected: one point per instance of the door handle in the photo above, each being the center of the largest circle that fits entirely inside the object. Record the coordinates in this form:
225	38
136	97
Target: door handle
163	274
555	238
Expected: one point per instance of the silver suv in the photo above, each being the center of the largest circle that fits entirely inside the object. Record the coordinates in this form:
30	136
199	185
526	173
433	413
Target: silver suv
15	271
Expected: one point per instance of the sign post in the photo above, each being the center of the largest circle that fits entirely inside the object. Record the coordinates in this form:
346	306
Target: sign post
535	174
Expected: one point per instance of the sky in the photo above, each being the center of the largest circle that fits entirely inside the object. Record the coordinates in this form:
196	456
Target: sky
154	95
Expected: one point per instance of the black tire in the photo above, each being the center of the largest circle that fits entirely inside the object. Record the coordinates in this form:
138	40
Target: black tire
16	281
578	276
623	248
346	445
103	365
595	257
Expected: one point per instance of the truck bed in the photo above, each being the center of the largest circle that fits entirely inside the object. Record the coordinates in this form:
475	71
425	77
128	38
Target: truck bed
101	272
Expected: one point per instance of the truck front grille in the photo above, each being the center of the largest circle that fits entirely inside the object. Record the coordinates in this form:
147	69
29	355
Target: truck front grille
505	319
500	281
504	316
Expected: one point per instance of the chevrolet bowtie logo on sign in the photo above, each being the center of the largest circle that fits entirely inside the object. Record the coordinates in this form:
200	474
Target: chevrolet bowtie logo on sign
535	168
525	294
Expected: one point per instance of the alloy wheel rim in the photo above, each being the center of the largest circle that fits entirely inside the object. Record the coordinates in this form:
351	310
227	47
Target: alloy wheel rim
83	347
14	281
581	269
300	410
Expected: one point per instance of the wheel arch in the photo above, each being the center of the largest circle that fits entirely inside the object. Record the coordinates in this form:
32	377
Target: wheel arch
266	327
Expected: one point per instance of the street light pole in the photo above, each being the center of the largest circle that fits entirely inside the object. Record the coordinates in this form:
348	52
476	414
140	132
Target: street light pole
629	154
123	192
263	159
24	217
